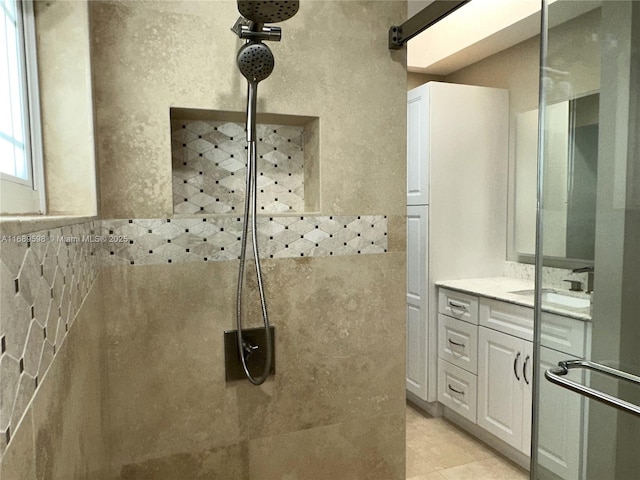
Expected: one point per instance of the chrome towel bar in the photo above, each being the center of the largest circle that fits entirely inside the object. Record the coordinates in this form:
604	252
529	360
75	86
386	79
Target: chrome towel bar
557	375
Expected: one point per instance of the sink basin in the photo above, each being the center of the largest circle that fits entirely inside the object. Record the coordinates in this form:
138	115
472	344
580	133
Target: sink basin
559	299
565	300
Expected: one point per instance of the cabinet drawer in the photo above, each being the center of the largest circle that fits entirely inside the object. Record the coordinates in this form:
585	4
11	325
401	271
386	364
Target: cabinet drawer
507	318
457	389
458	305
458	343
559	333
564	334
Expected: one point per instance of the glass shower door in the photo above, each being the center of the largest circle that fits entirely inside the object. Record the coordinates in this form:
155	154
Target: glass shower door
587	395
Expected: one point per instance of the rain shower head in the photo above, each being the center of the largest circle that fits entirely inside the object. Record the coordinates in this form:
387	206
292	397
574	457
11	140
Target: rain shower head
268	11
255	61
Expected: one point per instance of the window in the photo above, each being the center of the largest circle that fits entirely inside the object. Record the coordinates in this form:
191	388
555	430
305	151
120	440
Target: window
20	147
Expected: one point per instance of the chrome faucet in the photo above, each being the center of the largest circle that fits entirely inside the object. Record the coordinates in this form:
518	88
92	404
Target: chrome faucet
576	285
590	276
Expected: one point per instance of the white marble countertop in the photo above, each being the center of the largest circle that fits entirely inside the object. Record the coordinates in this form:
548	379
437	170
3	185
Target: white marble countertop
502	288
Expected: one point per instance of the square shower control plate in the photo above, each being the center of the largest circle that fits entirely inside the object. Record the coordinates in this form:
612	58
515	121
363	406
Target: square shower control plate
255	337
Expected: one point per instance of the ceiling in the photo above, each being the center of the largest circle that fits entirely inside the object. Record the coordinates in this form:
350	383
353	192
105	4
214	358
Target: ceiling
478	30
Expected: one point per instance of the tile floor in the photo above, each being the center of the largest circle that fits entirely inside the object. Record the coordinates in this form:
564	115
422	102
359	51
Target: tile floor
437	450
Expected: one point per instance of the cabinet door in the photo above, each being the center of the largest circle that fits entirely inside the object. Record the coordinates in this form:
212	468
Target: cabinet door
560	432
417	300
500	385
418	146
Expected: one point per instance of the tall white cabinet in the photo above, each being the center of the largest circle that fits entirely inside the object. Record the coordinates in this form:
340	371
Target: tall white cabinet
457	155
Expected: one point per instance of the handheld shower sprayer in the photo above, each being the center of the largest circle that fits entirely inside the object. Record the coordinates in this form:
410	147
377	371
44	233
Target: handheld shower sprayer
256	63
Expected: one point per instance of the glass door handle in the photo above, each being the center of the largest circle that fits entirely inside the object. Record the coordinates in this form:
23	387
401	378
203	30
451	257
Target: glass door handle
557	375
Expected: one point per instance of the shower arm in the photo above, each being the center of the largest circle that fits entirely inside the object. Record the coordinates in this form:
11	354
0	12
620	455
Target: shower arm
257	32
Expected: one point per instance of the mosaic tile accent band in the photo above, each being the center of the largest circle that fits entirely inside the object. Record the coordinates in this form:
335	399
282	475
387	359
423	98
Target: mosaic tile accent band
44	278
216	238
209	167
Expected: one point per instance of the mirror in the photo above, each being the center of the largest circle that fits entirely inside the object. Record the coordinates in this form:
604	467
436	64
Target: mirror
570	180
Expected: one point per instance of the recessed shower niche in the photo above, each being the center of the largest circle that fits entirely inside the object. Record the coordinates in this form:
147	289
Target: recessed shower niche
209	157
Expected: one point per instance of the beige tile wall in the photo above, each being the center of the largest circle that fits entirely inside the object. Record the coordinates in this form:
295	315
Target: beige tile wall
333	63
45	277
66	103
339	322
339	341
63	432
70	418
74	396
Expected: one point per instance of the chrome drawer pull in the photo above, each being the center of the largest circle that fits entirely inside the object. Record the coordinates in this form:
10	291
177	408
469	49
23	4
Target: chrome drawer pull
557	375
457	344
460	306
524	370
515	366
454	390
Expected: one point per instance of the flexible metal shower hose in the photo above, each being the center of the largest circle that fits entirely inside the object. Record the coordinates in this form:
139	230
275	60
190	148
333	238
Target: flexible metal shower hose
250	204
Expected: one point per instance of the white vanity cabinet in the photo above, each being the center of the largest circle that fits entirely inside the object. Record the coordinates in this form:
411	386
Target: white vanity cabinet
485	374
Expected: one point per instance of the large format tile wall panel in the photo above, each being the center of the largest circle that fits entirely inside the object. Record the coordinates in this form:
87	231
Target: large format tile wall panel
46	275
339	318
330	409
